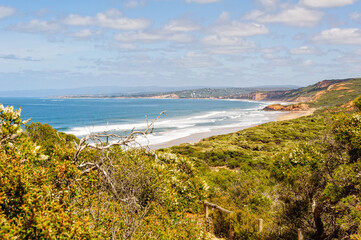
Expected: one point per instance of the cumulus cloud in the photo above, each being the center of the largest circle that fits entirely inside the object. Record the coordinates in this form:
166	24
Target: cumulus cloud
134	4
239	29
148	37
356	16
112	19
304	50
307	62
225	27
6	11
339	36
181	25
85	33
203	1
226	45
327	3
196	60
293	15
269	4
36	26
176	30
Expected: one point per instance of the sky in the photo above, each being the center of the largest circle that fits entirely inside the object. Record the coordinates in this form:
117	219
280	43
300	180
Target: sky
216	43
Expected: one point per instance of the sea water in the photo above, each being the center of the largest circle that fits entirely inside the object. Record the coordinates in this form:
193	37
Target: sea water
182	118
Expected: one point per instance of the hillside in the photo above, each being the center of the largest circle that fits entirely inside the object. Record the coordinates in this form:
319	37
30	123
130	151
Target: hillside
295	174
187	93
325	93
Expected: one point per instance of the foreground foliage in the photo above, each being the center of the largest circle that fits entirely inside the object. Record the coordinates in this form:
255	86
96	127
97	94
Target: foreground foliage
302	173
45	194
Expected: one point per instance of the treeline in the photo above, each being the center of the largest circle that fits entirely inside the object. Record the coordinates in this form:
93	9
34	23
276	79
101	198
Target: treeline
51	190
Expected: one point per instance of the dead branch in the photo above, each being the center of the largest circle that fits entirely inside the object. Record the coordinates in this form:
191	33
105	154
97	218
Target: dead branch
123	141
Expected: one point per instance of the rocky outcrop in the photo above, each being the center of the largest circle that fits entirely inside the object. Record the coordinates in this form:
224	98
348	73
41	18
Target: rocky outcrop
259	96
327	83
292	107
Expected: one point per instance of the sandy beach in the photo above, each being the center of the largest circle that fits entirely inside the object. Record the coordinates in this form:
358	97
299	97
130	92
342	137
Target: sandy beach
295	114
195	138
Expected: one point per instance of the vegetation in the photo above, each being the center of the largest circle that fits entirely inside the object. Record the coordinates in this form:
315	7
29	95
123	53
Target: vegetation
192	93
302	173
327	93
210	92
46	194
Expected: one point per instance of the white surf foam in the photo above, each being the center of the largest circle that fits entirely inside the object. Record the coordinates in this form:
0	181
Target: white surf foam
169	129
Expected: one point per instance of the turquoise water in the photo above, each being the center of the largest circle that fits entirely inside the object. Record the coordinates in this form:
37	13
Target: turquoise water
183	116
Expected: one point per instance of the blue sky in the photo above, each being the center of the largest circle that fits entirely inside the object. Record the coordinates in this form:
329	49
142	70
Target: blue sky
69	44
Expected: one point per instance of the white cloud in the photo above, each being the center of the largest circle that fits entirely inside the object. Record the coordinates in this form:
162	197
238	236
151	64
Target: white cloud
356	16
339	36
269	4
174	31
137	36
303	50
85	33
181	26
181	38
239	29
152	37
327	3
226	45
76	20
227	28
203	1
110	19
196	60
294	16
6	11
271	50
307	62
134	4
36	26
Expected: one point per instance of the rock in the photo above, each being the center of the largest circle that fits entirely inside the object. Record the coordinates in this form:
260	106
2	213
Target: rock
292	107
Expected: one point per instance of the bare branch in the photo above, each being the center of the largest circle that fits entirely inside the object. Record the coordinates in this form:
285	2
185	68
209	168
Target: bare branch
124	141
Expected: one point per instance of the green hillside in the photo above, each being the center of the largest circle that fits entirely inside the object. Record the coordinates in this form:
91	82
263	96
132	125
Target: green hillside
278	171
323	94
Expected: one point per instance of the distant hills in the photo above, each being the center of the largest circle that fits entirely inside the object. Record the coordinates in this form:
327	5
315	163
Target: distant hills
324	93
98	91
184	92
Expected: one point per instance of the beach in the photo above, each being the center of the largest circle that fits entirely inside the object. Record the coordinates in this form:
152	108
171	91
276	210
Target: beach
195	138
295	114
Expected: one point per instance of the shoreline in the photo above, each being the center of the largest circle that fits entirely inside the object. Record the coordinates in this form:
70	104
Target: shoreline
295	114
197	137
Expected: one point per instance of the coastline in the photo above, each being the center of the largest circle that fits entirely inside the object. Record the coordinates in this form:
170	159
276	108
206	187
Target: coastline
197	137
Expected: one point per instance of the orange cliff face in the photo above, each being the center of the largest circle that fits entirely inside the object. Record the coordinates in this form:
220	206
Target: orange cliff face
293	107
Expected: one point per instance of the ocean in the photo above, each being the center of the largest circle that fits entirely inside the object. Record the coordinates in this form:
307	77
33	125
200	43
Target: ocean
182	118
